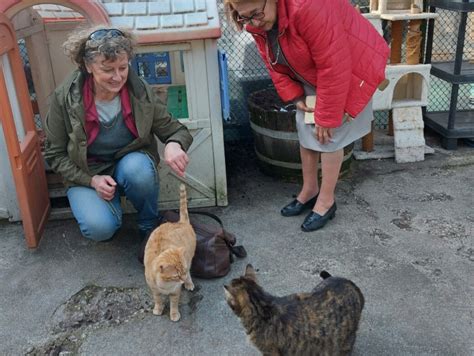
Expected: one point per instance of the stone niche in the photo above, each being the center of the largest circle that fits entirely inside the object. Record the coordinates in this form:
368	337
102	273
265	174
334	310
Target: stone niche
408	86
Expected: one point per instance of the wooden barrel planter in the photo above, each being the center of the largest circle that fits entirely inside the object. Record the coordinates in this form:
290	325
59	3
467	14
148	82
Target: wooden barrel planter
276	138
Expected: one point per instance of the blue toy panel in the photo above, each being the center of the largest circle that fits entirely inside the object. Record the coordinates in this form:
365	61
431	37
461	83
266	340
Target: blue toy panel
155	68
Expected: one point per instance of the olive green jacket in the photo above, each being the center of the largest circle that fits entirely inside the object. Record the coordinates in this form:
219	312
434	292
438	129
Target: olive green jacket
66	141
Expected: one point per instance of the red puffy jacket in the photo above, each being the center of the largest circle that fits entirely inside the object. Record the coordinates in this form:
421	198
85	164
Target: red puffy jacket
334	48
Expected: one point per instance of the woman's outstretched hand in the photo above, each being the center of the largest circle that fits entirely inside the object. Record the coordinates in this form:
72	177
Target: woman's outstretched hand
176	158
104	186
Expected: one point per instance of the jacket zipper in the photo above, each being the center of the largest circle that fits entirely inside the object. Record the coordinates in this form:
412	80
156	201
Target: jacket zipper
288	63
264	38
294	71
286	60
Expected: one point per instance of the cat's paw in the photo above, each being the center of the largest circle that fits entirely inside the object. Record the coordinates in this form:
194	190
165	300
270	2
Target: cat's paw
189	285
175	316
158	309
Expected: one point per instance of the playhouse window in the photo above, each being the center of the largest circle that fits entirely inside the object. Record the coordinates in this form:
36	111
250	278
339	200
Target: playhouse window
164	71
12	96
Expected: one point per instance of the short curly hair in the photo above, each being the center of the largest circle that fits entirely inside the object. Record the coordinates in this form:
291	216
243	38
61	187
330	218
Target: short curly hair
82	50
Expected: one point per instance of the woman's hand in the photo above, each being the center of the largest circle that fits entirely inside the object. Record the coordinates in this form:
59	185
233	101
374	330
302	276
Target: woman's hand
301	105
104	186
323	134
176	158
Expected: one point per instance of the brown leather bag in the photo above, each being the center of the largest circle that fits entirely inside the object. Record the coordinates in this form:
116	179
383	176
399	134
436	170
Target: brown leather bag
215	247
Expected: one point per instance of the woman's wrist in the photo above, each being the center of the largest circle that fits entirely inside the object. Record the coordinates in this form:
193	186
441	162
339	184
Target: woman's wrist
300	98
92	182
175	143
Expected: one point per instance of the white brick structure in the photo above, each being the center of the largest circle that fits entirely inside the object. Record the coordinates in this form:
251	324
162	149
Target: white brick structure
407	90
408	134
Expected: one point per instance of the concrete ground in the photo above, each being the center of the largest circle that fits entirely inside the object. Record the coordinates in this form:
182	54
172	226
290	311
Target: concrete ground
403	233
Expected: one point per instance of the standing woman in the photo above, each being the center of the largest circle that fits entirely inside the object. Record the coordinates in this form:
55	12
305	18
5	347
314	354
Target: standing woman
327	48
101	129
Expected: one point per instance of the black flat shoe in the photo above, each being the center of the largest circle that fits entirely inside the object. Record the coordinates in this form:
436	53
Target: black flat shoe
296	208
314	221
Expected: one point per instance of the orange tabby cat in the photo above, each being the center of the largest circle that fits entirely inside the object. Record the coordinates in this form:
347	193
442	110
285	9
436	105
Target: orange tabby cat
168	255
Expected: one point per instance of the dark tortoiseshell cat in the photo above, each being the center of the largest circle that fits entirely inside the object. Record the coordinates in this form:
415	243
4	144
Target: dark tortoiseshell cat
322	322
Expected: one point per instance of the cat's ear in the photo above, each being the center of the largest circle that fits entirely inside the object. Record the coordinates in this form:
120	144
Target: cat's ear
161	268
232	300
229	297
250	273
164	267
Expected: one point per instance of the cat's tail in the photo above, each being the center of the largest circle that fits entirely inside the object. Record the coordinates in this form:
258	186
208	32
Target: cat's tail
183	204
324	275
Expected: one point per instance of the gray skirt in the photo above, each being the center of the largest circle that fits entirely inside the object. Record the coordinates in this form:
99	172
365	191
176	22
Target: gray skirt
343	135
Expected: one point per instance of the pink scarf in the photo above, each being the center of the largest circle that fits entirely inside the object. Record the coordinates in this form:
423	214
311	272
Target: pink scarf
92	118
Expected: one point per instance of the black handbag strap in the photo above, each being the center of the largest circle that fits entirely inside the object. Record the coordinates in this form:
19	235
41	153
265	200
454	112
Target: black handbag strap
211	215
205	213
238	251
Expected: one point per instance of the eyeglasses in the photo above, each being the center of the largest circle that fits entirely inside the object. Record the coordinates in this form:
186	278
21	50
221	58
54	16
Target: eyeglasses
256	16
100	34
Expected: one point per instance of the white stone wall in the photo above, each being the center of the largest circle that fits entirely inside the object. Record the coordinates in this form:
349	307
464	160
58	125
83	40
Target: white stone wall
162	14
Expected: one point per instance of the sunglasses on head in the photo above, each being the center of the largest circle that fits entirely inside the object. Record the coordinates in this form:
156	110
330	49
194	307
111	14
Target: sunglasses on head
99	34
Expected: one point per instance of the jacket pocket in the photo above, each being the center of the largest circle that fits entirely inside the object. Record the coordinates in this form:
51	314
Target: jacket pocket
359	95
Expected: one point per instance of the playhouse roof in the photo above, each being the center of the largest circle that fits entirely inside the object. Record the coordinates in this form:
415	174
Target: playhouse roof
166	20
56	12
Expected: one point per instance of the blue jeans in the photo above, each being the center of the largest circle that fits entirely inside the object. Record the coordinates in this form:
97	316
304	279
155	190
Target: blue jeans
138	180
